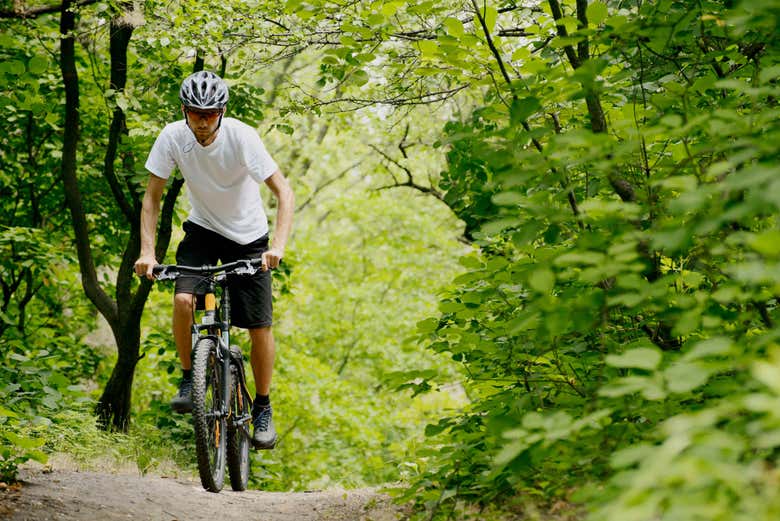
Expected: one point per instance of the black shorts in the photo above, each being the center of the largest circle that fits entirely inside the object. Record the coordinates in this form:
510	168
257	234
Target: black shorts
250	295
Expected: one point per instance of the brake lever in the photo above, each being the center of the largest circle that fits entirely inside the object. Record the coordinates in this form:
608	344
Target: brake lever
166	273
245	269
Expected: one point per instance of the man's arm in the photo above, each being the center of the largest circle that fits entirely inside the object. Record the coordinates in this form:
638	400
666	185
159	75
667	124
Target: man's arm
284	218
150	213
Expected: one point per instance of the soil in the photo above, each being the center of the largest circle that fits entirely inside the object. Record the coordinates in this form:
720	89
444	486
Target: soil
93	496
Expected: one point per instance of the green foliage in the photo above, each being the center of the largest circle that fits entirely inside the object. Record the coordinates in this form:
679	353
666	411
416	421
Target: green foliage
339	424
616	167
617	323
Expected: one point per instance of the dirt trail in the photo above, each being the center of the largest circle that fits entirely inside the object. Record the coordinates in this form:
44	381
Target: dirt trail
93	496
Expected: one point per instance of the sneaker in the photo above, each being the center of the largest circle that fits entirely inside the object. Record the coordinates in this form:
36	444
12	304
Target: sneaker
182	402
264	436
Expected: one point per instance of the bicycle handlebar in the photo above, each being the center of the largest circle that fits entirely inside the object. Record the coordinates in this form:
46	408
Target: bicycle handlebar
174	271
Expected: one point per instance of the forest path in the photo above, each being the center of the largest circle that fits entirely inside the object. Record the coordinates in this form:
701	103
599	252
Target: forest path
94	496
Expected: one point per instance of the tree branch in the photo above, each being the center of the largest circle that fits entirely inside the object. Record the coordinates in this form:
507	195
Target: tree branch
555	8
119	42
409	177
89	281
327	183
583	50
492	45
35	12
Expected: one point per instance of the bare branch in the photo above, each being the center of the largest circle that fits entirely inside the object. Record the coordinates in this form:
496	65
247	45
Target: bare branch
421	99
327	183
410	183
35	12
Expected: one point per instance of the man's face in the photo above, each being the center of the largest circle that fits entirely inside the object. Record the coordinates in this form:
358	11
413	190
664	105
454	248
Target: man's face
202	122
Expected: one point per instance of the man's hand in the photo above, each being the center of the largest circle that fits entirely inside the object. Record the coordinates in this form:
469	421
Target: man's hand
144	264
271	259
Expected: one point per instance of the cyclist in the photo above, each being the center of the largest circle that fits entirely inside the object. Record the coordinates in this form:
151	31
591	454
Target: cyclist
222	161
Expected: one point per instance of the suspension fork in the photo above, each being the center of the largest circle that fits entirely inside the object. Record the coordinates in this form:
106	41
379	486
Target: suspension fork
224	347
210	325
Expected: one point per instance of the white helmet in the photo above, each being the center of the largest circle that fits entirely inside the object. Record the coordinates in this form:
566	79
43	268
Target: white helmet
204	90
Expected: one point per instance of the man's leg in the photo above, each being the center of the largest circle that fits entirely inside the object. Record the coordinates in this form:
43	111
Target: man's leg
262	359
183	304
199	246
182	335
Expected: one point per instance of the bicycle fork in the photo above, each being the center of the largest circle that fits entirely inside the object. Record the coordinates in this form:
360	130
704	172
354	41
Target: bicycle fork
219	332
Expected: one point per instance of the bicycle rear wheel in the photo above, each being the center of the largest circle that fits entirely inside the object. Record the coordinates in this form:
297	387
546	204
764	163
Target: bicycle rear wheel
238	425
210	423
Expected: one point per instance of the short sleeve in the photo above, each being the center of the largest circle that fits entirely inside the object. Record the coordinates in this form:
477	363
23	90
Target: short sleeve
258	161
160	161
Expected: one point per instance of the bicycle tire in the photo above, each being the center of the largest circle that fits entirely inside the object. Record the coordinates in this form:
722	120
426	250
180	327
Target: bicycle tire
238	434
210	426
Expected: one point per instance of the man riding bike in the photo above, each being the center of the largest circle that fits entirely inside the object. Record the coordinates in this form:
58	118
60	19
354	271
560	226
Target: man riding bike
222	161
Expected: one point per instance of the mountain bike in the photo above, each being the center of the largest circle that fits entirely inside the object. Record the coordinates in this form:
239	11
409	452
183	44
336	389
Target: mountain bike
222	403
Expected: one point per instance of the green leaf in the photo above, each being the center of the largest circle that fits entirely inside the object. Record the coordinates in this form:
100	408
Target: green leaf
389	8
37	455
649	387
508	198
490	15
641	358
521	109
453	26
376	20
716	346
429	325
7	413
597	13
769	374
767	243
630	455
15	67
580	257
542	280
510	451
428	48
684	377
24	442
38	64
769	74
359	77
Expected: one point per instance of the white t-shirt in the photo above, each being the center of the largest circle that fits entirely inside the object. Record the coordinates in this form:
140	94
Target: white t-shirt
222	178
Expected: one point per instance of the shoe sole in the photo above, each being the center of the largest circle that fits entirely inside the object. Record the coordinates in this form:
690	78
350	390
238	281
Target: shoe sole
264	446
181	409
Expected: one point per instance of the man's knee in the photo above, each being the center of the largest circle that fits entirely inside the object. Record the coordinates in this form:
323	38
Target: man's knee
260	332
261	335
183	303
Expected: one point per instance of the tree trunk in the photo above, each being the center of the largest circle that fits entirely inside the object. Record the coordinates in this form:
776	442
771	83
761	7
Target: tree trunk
123	313
113	408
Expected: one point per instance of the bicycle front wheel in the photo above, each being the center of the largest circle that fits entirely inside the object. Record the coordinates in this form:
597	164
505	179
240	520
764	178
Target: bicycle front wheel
238	426
210	423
